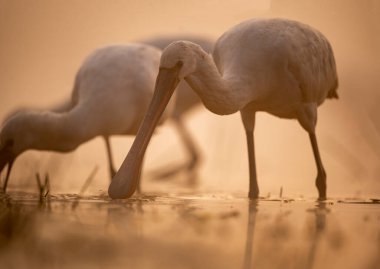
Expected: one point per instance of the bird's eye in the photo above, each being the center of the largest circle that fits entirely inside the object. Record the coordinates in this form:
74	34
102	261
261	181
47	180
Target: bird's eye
179	64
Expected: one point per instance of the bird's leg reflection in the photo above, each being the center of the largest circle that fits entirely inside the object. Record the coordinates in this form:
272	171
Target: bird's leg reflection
252	211
320	213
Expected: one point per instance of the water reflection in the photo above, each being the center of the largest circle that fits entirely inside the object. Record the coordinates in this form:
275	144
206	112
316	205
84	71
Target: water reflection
184	231
320	212
252	211
276	241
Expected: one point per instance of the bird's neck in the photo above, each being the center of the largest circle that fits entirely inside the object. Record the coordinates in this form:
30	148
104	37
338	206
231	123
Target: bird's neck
216	92
55	131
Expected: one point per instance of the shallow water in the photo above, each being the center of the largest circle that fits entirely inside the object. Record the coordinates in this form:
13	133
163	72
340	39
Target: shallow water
187	231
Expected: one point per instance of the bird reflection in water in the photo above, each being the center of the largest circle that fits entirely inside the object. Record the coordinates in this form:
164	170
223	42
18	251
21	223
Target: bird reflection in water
318	230
320	213
252	212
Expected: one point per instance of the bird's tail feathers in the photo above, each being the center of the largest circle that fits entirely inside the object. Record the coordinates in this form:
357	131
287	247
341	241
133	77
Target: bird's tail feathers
333	94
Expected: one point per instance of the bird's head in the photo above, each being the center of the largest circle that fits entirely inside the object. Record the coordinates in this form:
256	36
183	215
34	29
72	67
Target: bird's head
13	139
181	57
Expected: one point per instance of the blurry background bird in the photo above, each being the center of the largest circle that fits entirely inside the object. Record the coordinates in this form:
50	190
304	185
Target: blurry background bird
111	91
110	95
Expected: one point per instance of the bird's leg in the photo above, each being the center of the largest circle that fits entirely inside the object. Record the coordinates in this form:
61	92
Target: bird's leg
321	176
44	189
109	155
189	144
253	186
307	117
248	119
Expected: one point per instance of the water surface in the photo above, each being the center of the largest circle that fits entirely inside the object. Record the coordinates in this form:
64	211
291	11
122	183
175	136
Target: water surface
187	231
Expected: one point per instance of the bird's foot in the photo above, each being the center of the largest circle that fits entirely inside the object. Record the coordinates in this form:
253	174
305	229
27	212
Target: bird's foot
320	182
192	179
44	188
166	174
253	195
190	174
169	173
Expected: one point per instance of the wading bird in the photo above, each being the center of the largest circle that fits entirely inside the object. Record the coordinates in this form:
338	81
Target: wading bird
111	93
279	66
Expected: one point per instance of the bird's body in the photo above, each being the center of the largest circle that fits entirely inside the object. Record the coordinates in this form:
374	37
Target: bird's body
114	87
274	66
279	66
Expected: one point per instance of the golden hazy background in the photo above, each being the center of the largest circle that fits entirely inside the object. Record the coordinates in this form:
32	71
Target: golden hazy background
43	43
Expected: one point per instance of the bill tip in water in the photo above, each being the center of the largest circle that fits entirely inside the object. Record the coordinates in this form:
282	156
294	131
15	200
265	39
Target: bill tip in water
120	189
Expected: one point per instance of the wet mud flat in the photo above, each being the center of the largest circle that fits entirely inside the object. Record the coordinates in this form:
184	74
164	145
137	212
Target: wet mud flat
187	231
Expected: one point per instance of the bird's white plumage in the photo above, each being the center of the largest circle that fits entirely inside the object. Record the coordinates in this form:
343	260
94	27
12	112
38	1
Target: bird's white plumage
115	85
276	64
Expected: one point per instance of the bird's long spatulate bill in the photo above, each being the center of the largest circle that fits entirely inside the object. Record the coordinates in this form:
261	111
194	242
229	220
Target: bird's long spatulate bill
124	183
6	158
3	160
10	165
